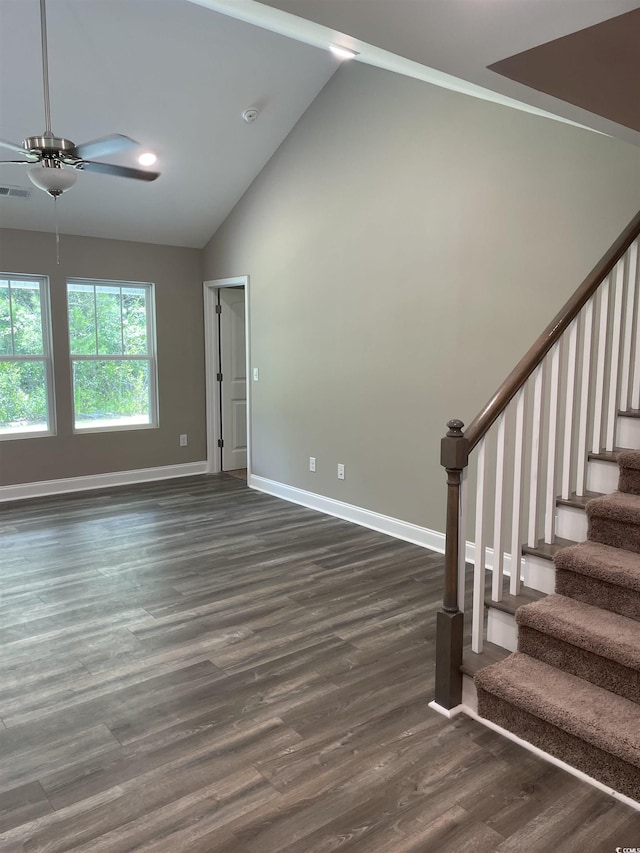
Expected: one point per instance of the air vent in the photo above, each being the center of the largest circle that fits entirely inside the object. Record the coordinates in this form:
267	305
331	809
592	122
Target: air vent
14	192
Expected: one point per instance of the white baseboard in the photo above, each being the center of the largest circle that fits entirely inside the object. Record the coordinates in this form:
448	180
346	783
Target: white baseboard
449	713
423	536
23	491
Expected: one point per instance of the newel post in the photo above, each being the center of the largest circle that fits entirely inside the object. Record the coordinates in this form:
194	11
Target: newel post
454	456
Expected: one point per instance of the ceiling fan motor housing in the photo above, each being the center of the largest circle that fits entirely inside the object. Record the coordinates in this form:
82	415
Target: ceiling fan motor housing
49	146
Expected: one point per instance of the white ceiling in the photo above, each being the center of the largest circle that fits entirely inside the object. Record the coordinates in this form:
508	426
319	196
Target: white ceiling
177	74
172	75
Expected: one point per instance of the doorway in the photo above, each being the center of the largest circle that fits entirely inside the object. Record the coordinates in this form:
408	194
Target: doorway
227	360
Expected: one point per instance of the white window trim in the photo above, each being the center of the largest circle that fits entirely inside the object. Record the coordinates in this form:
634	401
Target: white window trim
46	357
150	356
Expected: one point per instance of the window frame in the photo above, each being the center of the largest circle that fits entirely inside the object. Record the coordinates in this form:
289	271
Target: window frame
151	356
46	357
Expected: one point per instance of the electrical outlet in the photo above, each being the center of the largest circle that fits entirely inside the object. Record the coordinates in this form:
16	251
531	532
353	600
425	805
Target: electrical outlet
312	463
183	440
340	471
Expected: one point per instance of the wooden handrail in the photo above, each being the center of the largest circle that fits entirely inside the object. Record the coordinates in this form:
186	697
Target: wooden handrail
528	363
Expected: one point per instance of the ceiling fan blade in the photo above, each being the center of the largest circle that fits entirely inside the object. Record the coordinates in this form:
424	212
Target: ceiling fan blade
120	171
19	162
12	146
104	146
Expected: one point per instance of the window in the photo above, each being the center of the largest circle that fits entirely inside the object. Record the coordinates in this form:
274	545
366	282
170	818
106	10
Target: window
26	376
112	347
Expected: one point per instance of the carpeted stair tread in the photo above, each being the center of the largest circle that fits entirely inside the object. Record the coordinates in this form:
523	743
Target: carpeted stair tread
629	459
591	628
615	520
603	562
582	710
629	462
618	505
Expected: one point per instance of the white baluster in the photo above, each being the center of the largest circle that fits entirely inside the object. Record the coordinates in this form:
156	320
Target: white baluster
550	502
581	456
630	290
516	544
614	365
532	538
596	438
462	539
477	626
568	410
497	580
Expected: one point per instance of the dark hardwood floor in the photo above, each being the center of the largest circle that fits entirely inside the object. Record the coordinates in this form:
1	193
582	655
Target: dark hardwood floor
194	666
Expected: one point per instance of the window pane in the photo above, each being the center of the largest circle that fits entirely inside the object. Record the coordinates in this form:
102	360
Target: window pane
109	320
23	397
134	313
6	346
82	329
111	393
27	318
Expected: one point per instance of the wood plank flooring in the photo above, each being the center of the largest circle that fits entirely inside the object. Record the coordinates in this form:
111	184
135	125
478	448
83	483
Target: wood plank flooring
194	666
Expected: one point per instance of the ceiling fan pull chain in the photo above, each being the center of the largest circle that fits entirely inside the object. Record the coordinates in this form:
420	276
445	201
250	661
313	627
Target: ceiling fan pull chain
55	216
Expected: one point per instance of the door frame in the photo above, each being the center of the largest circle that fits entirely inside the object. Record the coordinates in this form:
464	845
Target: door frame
211	341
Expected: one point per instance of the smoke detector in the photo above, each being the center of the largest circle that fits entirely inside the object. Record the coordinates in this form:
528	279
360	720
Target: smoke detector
250	115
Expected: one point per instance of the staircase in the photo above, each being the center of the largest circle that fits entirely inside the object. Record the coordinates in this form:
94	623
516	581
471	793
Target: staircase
554	620
573	687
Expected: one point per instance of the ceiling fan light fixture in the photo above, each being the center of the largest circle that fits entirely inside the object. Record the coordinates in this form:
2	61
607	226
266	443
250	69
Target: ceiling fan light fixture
52	179
148	158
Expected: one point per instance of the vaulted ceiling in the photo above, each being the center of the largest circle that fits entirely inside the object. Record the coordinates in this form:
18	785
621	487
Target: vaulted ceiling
176	75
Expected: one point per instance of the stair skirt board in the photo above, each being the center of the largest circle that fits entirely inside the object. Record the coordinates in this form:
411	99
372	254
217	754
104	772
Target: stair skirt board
613	772
469	708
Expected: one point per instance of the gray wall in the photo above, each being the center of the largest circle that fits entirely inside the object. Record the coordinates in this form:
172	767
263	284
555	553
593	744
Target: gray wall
406	245
177	274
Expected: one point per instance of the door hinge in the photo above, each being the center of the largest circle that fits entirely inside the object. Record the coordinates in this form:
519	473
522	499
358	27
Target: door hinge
218	309
220	443
218	377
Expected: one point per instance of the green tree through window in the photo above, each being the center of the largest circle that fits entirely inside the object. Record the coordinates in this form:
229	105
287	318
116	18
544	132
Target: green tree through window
25	357
111	342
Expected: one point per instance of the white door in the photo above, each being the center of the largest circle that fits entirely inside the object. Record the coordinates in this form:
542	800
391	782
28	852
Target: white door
233	396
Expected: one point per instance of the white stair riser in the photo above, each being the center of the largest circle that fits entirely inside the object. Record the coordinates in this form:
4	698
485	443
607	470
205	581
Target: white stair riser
628	432
469	694
571	523
539	574
502	629
602	476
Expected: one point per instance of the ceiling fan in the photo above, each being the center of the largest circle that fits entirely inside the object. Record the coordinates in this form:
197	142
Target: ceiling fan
52	153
